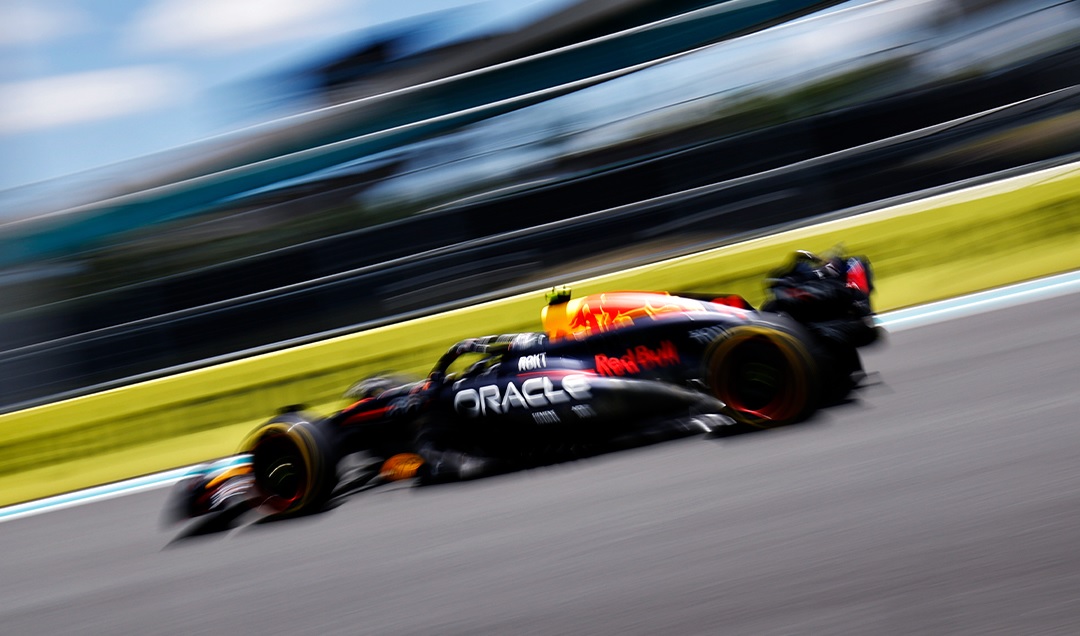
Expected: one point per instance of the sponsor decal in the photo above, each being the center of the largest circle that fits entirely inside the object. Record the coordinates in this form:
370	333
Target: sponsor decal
604	312
583	411
532	362
534	393
527	341
638	359
546	417
706	335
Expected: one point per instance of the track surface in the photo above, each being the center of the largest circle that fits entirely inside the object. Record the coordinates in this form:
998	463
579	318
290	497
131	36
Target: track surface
945	501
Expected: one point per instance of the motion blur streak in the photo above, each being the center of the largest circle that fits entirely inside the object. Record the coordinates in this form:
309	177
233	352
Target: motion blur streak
1042	289
100	493
901	320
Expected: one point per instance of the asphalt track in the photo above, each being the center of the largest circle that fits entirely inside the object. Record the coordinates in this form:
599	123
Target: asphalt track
945	500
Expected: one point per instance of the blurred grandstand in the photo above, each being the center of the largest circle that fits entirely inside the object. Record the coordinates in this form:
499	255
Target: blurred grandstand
442	166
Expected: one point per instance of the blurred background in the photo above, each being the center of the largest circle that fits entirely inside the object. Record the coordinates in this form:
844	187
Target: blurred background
188	181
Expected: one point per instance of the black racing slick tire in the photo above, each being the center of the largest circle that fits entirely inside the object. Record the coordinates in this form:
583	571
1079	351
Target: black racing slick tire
294	464
765	374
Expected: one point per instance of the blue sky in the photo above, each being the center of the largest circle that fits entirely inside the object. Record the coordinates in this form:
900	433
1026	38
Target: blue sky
87	83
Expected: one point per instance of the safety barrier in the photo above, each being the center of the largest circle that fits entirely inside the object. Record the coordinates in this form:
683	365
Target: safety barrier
946	245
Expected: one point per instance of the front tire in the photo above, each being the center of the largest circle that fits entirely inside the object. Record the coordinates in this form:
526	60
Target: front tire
765	374
294	464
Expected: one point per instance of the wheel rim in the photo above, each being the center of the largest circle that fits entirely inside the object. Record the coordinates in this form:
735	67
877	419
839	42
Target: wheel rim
756	382
280	470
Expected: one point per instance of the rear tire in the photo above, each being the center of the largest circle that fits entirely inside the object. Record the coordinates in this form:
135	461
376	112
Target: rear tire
765	374
294	464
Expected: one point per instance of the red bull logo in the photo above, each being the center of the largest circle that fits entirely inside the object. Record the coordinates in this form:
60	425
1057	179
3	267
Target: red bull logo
637	360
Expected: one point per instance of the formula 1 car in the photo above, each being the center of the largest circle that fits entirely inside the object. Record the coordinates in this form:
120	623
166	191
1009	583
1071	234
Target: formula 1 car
608	371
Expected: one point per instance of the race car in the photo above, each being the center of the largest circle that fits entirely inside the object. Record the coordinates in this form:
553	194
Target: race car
608	371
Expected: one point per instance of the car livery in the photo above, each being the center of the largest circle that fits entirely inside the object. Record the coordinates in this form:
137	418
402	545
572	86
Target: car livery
608	370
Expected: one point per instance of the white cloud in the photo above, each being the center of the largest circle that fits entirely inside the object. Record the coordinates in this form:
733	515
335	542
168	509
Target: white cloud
216	26
25	23
81	97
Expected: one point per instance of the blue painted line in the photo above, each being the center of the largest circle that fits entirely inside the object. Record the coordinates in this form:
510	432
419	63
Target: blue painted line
910	318
1000	298
109	491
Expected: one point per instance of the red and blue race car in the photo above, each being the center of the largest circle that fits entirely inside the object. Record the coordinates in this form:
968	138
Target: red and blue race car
608	371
